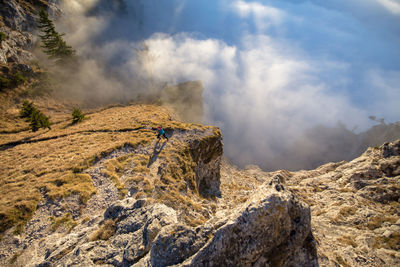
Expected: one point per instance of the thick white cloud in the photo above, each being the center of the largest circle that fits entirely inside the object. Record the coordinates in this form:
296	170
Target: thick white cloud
271	69
257	94
391	5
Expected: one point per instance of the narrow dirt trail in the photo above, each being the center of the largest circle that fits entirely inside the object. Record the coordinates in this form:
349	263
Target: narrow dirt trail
107	192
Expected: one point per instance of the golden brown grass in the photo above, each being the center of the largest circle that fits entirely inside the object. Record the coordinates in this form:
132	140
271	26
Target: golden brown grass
66	221
377	221
341	261
53	161
55	165
343	214
392	242
347	240
106	230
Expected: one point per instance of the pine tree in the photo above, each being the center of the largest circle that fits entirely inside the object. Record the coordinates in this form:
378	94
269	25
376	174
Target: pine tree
77	116
52	42
36	118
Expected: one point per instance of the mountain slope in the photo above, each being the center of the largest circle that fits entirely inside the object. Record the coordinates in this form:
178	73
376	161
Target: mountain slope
104	191
77	174
355	207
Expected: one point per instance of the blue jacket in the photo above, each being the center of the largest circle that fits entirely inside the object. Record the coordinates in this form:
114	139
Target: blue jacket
161	131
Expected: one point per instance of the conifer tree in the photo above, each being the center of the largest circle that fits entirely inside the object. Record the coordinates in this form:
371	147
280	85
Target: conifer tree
77	116
52	42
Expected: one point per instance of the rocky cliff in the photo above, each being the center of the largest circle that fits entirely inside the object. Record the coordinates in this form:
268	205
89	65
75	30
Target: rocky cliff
355	207
120	197
148	202
107	192
18	24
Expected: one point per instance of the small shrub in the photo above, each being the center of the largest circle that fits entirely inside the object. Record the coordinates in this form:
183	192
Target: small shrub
26	110
44	85
4	82
392	242
67	221
347	240
36	118
19	79
77	116
39	120
14	258
377	221
106	230
341	261
3	37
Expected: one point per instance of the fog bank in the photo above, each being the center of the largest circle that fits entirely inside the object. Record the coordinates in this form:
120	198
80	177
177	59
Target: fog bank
273	72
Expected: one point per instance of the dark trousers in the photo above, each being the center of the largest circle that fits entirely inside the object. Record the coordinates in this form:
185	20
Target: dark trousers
158	136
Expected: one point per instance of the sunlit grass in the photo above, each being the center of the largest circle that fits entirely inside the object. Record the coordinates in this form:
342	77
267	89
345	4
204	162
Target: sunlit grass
53	162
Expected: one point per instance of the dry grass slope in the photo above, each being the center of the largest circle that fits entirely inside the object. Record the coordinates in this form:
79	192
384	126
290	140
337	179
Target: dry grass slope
50	162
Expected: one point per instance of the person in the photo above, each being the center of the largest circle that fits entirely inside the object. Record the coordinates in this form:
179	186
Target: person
161	133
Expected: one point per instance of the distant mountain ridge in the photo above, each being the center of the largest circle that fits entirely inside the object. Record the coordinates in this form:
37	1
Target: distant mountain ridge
321	144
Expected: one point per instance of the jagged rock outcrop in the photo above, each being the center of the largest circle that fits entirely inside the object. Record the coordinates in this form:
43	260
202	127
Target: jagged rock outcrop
178	202
16	47
206	154
271	229
18	23
174	213
355	207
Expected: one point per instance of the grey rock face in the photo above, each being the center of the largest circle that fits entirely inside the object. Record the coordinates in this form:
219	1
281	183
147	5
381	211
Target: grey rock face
18	25
19	19
272	228
207	155
137	225
15	17
15	49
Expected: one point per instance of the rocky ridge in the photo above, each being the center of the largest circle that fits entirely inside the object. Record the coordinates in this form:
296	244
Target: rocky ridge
161	203
226	216
255	218
18	22
355	207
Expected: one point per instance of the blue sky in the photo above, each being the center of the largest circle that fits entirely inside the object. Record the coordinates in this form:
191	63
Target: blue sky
271	69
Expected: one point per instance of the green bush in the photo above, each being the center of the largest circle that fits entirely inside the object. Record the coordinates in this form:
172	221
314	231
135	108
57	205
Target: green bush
43	85
19	79
4	82
3	36
39	120
36	118
77	116
26	110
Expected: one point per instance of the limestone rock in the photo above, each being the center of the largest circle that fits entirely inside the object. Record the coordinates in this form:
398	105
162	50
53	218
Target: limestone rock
207	154
16	47
273	228
355	208
15	16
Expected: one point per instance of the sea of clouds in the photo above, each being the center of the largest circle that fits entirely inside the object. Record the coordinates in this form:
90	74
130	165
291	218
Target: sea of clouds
271	70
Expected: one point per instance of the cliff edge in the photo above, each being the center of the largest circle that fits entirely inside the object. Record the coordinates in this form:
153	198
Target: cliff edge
119	196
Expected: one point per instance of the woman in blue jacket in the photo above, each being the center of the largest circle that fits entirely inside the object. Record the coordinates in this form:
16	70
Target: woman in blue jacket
161	133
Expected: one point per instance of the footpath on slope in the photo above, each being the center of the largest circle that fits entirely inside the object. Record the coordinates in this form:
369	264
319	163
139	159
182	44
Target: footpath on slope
54	216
